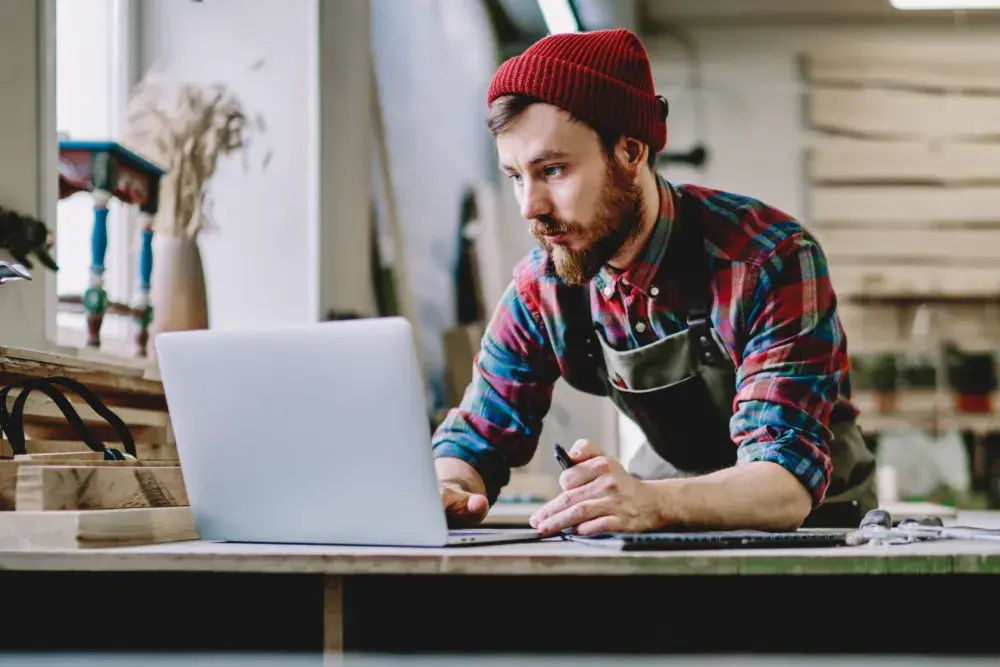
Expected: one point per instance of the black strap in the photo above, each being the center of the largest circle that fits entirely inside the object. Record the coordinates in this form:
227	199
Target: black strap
695	277
12	421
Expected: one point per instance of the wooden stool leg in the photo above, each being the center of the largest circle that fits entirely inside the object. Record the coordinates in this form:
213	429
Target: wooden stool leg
143	308
95	299
333	620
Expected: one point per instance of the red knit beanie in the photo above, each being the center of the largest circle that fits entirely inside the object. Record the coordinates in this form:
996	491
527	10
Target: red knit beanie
602	77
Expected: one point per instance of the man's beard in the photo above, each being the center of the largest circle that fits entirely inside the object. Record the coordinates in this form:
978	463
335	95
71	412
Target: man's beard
616	221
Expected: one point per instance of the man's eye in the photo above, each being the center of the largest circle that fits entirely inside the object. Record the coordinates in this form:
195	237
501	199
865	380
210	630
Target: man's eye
554	170
514	177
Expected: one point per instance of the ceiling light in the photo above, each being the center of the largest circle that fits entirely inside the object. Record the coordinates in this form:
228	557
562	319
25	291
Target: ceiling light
559	16
945	4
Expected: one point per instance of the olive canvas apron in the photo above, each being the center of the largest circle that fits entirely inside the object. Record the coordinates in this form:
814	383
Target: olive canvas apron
680	391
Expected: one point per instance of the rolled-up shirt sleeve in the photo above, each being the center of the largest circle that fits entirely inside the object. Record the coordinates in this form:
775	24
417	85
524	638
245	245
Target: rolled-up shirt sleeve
793	365
498	422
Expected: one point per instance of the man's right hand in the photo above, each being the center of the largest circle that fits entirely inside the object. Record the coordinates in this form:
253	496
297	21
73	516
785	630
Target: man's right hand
463	492
462	508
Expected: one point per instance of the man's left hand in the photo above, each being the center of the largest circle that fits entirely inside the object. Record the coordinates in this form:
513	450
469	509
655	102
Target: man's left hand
598	496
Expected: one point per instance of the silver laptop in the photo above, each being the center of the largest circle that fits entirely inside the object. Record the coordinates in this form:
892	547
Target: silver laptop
310	434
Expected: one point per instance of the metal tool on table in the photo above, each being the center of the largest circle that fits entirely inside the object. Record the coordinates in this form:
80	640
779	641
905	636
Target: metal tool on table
10	272
877	529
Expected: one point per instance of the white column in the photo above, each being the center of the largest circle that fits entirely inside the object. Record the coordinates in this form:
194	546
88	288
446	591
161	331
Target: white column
343	237
28	170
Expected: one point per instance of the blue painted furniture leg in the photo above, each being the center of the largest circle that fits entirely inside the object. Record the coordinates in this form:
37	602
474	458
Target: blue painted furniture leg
95	298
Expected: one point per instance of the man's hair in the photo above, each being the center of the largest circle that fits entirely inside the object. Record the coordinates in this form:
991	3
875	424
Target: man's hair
507	108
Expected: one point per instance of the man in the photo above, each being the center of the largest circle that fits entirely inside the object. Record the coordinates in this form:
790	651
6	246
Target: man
708	317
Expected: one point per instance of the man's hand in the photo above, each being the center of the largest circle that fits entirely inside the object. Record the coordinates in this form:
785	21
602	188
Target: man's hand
463	492
462	507
598	496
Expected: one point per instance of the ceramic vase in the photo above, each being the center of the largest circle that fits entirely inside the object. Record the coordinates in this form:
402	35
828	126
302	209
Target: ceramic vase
177	287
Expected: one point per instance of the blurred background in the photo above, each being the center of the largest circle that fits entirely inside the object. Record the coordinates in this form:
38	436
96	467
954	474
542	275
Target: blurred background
291	161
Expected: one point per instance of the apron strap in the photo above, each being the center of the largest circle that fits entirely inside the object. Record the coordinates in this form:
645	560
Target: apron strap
695	278
582	333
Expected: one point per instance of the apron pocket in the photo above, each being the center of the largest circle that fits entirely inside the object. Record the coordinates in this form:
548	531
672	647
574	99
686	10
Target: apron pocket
682	424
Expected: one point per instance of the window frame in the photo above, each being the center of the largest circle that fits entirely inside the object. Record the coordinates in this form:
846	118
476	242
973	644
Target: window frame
117	333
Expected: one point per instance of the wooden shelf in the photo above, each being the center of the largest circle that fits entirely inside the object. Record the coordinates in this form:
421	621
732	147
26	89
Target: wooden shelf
902	298
924	409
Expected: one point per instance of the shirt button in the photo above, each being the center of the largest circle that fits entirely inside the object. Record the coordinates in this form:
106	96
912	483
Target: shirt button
640	327
654	290
608	291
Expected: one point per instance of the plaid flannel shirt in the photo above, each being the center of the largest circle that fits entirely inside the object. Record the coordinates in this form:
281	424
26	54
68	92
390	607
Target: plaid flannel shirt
773	306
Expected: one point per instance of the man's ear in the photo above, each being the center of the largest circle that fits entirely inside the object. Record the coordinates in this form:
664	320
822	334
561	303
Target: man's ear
635	152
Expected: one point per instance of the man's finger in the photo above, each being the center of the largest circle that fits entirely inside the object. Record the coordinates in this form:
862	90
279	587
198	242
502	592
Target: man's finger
577	514
585	472
477	505
562	502
584	449
463	508
603	524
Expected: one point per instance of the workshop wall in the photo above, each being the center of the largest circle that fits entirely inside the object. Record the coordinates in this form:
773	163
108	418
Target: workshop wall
434	61
28	173
258	260
758	114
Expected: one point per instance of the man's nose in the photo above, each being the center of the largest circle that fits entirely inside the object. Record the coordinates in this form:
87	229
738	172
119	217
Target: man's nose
534	201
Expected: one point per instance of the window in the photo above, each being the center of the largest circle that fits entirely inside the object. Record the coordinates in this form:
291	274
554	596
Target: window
92	65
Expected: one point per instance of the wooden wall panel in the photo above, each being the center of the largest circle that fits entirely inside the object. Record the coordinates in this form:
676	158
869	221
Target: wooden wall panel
879	327
956	246
858	279
902	114
917	66
903	205
873	324
903	188
857	161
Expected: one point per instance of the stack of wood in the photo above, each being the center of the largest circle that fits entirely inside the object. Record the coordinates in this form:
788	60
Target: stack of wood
903	189
63	495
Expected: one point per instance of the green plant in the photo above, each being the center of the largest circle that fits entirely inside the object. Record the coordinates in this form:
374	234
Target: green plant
884	373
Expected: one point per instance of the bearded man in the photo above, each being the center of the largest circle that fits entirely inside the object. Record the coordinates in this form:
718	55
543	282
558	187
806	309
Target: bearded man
708	317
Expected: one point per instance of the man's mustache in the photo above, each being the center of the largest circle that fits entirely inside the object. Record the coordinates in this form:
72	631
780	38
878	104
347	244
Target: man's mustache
548	226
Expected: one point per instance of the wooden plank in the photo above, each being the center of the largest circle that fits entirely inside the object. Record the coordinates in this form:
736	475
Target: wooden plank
87	529
878	279
73	461
548	558
970	68
8	485
851	160
145	451
49	487
981	424
885	327
44	428
904	205
943	246
62	457
903	114
333	620
40	405
69	361
10	468
98	381
870	323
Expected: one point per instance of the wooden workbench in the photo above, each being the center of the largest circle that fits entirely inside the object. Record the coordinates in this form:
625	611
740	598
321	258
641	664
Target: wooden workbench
398	598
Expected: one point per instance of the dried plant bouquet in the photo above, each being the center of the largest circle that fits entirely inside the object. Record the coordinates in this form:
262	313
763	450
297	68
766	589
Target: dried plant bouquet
186	128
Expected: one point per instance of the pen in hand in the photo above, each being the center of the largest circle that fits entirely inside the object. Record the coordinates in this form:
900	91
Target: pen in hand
564	460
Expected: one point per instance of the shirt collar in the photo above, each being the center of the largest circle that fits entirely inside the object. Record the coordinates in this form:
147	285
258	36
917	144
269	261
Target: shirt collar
640	274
